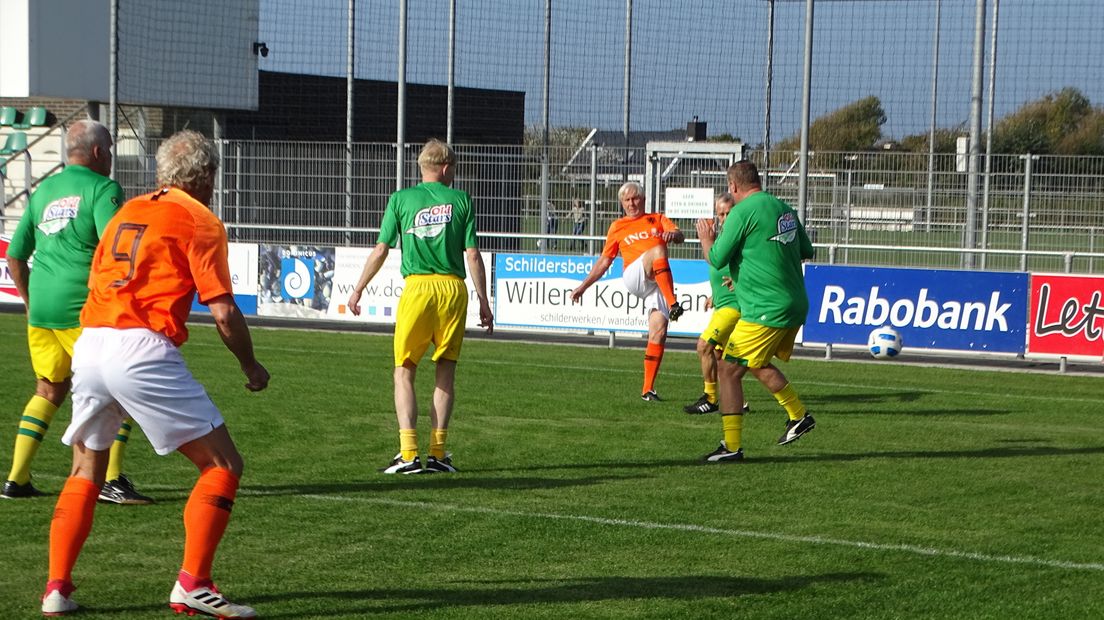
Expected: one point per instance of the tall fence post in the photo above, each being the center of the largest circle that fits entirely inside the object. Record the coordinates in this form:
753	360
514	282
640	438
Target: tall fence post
593	196
1024	228
934	110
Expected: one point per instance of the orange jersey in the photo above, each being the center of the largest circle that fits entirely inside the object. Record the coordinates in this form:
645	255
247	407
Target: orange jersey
154	255
634	236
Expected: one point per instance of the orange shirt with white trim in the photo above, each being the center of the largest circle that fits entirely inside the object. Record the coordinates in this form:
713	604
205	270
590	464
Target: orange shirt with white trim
155	255
633	236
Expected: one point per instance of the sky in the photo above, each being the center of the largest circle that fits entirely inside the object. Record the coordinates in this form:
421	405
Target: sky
707	58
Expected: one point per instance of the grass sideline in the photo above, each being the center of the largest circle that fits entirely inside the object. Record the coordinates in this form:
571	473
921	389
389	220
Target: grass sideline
923	493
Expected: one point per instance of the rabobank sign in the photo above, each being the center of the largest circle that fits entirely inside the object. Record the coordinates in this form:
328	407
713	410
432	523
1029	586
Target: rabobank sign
933	309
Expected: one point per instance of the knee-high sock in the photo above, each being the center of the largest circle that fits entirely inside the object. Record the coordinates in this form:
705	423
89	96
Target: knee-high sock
205	517
70	526
664	279
36	419
711	391
118	449
437	442
653	356
408	443
733	426
788	398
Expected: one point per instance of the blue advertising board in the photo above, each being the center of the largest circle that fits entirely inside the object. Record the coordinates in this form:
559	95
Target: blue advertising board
932	309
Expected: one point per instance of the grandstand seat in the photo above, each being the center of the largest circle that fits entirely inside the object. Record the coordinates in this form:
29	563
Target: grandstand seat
17	141
34	117
8	116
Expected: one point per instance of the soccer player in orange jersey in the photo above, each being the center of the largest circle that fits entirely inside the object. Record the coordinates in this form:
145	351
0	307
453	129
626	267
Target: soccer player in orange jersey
157	253
641	239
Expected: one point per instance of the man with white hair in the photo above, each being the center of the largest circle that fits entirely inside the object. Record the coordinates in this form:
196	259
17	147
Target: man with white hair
159	252
641	239
61	227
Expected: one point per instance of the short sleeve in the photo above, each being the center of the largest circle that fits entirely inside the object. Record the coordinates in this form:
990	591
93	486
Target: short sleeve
108	202
668	224
613	242
207	260
389	227
470	240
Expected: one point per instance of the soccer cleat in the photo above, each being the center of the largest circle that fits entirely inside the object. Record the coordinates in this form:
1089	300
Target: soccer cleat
399	466
797	428
13	490
723	455
121	491
650	395
207	601
676	311
56	601
439	466
700	406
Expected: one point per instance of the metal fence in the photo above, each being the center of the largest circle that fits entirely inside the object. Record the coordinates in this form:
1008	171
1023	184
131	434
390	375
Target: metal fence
869	208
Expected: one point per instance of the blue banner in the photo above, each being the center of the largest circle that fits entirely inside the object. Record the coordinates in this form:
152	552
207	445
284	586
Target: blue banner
932	309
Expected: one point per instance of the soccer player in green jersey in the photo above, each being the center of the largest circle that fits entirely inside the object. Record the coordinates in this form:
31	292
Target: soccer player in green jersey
61	227
726	312
437	228
764	243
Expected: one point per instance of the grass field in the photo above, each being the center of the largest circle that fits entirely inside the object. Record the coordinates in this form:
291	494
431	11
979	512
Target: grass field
923	493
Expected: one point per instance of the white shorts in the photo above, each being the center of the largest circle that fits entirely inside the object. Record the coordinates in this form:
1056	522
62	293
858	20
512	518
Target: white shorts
638	283
140	373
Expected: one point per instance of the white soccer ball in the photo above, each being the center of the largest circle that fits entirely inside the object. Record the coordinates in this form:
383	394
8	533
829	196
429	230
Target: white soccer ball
885	343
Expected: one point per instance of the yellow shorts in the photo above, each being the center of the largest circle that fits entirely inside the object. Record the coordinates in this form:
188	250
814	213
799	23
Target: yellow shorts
432	309
754	345
720	326
52	352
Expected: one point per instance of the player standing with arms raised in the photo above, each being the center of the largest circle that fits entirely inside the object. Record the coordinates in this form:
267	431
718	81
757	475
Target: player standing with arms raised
157	254
437	227
641	239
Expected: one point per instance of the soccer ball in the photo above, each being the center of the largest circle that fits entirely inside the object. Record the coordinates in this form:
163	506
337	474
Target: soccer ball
884	343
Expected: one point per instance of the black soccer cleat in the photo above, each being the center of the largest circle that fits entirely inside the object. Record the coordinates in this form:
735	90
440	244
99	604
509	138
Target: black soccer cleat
796	428
701	406
723	455
434	465
651	396
399	466
121	491
676	311
13	490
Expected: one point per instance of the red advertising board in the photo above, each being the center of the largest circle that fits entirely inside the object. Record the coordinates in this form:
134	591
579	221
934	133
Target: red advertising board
1067	315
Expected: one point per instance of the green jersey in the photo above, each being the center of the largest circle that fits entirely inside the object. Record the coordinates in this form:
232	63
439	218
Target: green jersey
61	226
436	224
764	243
722	296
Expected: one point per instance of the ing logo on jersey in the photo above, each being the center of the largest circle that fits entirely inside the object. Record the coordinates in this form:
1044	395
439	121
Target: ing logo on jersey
431	221
57	214
787	229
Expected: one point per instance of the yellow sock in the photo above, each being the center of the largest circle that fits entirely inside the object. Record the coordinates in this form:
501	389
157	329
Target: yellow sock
437	442
408	443
37	416
118	449
788	398
711	391
733	425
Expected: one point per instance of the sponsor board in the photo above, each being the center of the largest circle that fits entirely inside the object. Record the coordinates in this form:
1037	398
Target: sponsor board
8	294
932	309
1067	315
688	202
533	290
315	282
242	259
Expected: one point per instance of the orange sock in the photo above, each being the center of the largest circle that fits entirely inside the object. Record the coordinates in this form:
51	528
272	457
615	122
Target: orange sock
205	517
70	526
653	355
664	279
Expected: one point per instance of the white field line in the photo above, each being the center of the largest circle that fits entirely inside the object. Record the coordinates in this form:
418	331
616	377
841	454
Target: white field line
701	529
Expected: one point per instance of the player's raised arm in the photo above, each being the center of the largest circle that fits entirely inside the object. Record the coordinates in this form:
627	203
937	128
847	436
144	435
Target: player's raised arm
601	266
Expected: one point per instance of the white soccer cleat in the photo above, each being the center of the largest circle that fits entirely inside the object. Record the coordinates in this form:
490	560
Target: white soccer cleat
57	604
207	601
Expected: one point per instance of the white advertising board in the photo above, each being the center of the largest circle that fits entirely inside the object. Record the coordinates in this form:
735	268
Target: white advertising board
688	202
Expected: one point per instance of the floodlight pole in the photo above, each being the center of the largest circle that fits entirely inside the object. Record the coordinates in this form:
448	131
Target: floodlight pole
544	190
626	94
989	131
451	71
400	132
767	94
350	80
934	110
113	85
970	240
803	180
